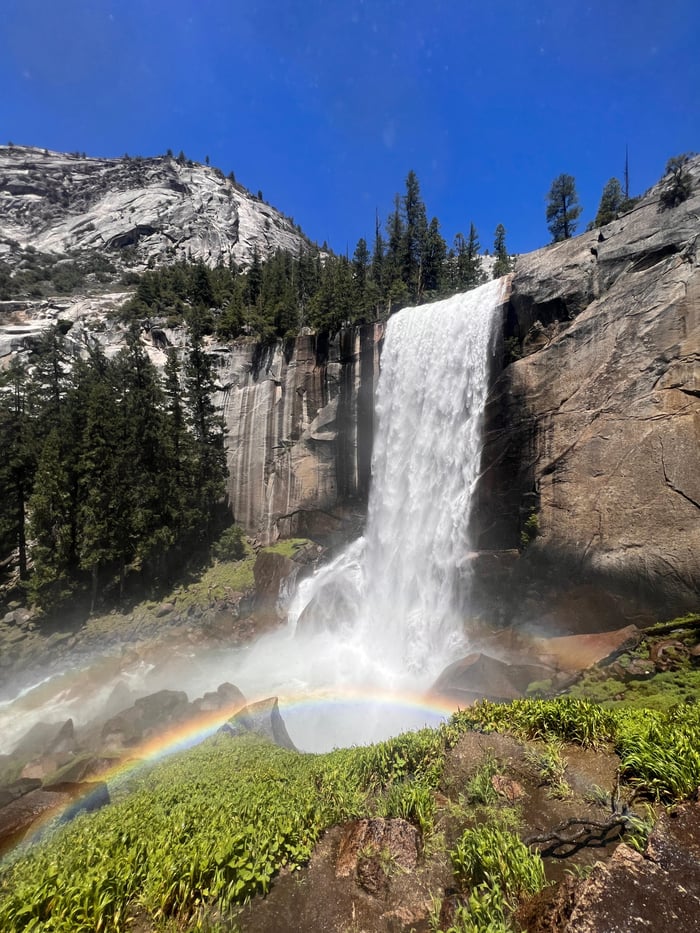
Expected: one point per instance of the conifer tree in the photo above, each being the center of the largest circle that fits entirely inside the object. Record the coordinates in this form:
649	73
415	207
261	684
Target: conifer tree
502	265
414	241
17	463
563	208
611	203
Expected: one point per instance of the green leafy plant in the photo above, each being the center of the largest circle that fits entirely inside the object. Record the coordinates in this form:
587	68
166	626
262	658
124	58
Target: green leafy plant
550	763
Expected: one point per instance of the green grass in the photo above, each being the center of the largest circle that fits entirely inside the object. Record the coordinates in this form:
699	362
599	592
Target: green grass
222	578
211	827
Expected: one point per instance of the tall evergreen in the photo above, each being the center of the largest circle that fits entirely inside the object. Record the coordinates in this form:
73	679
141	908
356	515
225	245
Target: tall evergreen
563	208
414	241
502	265
611	203
17	463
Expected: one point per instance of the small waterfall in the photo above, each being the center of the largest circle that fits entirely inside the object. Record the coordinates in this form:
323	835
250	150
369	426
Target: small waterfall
388	598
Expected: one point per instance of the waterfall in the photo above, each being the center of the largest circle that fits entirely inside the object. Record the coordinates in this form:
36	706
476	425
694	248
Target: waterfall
368	633
389	597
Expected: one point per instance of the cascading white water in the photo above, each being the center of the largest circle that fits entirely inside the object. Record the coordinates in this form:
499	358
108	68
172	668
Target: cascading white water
388	597
381	617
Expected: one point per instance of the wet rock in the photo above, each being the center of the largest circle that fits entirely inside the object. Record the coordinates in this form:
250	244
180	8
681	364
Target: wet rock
147	715
271	571
262	718
17	789
46	738
578	652
659	890
479	676
370	850
17	817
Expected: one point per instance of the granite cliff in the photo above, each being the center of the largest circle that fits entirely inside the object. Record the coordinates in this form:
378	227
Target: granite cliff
589	502
588	505
299	432
134	210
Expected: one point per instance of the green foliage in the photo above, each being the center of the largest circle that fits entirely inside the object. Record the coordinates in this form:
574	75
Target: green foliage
411	800
563	208
531	528
503	264
117	471
213	825
230	544
499	866
611	203
484	912
550	763
679	185
417	755
479	789
659	752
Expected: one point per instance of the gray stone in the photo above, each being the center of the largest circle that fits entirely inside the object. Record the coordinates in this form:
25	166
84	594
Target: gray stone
596	430
262	718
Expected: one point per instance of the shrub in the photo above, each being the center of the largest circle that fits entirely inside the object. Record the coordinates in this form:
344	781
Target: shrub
231	544
679	187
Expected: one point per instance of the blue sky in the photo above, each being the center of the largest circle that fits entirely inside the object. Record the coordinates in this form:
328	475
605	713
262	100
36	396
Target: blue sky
325	106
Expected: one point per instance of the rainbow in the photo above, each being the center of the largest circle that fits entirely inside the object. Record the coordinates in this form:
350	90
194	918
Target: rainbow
423	710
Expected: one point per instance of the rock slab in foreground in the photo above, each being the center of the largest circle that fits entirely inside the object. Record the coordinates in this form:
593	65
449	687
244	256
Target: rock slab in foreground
659	890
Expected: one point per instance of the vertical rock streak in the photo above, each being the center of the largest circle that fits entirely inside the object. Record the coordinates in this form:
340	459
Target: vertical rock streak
390	595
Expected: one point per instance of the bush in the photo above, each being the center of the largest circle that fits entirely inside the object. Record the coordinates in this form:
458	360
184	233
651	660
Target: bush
231	544
679	187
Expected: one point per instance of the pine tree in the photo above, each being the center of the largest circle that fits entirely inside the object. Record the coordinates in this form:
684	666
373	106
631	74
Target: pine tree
414	242
502	265
469	273
679	183
563	208
433	260
207	426
611	203
17	463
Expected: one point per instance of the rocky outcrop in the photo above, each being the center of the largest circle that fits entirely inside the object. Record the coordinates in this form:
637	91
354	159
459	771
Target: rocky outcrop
628	893
262	718
133	209
299	422
592	436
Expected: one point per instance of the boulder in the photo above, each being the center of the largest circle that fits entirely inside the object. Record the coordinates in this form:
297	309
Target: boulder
148	715
20	814
46	738
635	893
262	718
17	789
579	652
478	676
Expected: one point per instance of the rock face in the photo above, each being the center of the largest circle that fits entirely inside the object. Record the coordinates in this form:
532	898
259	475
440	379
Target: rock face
593	435
164	209
657	890
299	431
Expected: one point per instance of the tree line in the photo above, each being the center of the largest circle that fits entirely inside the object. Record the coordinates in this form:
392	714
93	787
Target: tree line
408	262
108	470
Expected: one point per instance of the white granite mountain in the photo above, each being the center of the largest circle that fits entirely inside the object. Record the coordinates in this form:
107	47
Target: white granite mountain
136	210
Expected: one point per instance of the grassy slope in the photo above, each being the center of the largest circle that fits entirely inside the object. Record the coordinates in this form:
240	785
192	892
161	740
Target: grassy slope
211	827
